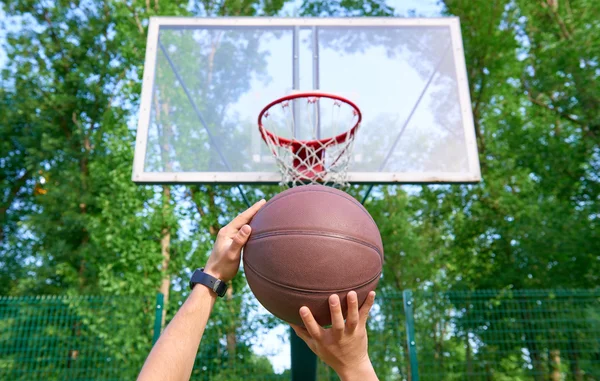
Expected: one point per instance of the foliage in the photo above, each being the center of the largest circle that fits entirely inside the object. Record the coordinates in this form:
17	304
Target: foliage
501	335
74	337
507	335
72	222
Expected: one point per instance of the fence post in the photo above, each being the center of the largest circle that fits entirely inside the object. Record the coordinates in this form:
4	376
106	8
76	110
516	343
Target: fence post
160	299
407	296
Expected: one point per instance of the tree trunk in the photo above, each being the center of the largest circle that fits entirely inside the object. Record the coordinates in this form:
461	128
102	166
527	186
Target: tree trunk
468	356
488	372
538	369
85	172
573	355
165	243
438	340
231	334
165	134
555	363
7	202
439	346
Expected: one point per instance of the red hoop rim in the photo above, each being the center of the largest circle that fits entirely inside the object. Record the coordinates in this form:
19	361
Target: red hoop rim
323	142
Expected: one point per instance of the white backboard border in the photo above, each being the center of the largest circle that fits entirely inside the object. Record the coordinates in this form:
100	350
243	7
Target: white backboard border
142	177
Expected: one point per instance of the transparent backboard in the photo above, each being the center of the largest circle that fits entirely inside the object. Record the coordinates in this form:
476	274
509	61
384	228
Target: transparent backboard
206	80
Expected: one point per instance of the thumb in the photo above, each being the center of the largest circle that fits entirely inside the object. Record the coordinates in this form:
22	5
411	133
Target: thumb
241	238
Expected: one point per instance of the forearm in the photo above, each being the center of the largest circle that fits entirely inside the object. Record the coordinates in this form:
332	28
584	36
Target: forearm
362	372
172	357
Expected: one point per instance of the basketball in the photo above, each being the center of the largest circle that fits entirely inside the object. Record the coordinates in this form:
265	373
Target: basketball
307	243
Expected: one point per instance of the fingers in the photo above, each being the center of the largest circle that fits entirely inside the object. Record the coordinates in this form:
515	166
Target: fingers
337	319
312	327
366	307
352	319
246	216
240	238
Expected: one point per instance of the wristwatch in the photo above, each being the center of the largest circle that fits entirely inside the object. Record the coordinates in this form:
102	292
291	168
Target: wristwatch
200	277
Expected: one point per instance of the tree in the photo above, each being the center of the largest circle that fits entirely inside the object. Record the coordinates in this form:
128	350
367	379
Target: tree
71	220
76	221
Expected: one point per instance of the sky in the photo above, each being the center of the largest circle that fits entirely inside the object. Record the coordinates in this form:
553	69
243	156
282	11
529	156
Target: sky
423	8
2	36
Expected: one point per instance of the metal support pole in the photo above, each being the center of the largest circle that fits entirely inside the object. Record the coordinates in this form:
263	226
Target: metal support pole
407	295
158	312
304	361
315	76
364	199
295	78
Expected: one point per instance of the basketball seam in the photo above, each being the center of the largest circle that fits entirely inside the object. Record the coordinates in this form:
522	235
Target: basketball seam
258	236
306	290
345	196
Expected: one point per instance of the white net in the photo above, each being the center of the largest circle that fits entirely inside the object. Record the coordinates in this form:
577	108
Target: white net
311	138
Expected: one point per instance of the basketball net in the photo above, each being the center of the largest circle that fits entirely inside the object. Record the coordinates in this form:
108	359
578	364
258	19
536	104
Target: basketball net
311	115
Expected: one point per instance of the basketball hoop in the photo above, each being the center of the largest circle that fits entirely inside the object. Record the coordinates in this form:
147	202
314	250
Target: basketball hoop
313	160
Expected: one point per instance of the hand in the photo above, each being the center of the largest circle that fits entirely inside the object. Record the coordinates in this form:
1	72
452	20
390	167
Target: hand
224	261
343	346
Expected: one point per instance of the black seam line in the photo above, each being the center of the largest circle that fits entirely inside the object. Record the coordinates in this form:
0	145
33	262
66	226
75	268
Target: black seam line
310	291
344	196
303	232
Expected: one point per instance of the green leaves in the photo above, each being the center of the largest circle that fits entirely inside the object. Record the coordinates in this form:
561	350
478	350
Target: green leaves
71	220
346	8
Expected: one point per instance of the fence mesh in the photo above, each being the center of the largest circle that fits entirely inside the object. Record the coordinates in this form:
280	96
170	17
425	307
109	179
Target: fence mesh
508	335
227	350
485	335
74	338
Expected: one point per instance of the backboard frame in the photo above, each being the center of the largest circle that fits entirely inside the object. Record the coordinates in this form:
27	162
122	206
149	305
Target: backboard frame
144	116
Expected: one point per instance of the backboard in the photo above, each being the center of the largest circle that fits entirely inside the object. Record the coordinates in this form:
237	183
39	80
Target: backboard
206	80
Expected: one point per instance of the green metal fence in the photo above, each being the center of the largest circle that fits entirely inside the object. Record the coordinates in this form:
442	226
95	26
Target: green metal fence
485	335
227	352
504	335
74	338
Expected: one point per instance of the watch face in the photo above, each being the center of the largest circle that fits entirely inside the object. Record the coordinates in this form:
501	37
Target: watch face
221	288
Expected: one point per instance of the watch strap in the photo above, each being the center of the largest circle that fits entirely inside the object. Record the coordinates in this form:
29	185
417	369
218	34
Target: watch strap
217	285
